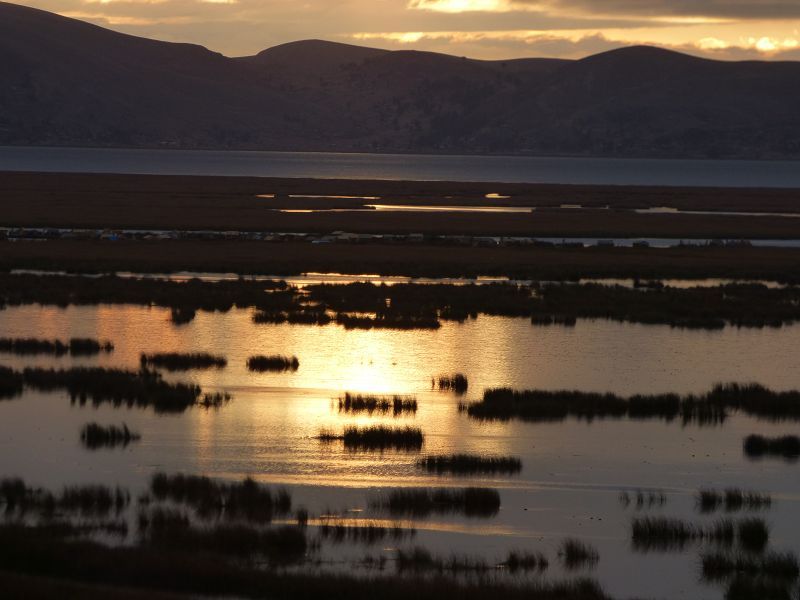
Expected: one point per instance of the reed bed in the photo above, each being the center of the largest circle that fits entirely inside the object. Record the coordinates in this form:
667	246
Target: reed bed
293	317
116	387
517	561
575	554
74	346
95	436
408	439
744	587
423	502
666	534
470	464
170	529
368	534
718	565
176	361
41	553
180	315
358	403
11	383
261	364
245	500
711	408
88	500
732	500
457	383
759	446
642	499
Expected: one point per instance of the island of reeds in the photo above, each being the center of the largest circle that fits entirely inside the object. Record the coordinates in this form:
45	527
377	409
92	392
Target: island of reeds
362	403
94	436
379	437
422	502
262	364
469	464
73	347
176	361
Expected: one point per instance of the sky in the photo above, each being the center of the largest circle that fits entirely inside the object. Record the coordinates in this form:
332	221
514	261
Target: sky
485	29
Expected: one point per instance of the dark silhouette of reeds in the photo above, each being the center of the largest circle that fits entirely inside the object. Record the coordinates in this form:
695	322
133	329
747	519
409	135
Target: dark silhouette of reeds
95	436
753	534
245	500
162	528
181	315
642	499
293	317
422	502
74	347
457	383
176	361
711	408
759	446
525	561
397	405
393	321
468	464
116	387
732	500
744	587
47	555
87	500
718	566
666	534
11	383
368	534
576	554
261	364
378	437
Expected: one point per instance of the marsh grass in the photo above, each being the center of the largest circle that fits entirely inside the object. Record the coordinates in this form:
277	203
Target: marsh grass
245	500
397	405
176	361
87	500
293	317
744	587
180	315
261	364
717	565
517	561
95	436
753	534
732	500
457	383
368	534
468	464
11	383
643	499
711	408
393	321
378	437
759	446
423	502
662	534
74	347
164	528
116	387
575	554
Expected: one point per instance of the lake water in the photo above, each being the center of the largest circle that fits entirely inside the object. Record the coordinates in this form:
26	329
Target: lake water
573	472
724	173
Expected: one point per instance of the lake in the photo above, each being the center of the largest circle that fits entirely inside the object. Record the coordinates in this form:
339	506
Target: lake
573	471
723	173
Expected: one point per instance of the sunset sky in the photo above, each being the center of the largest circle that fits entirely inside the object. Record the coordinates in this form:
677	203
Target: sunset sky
491	29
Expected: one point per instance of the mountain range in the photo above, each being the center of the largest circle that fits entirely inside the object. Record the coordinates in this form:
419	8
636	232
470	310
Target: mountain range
67	82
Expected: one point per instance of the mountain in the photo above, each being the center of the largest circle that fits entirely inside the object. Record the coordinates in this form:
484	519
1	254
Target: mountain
66	82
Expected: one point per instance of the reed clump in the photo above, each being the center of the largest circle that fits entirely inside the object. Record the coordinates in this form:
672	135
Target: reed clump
94	436
759	446
11	383
379	437
753	534
470	464
87	500
261	364
457	383
116	387
366	534
732	500
393	321
517	561
74	347
576	554
664	534
711	408
171	529
777	565
643	499
181	315
423	502
358	403
293	317
245	500
177	361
